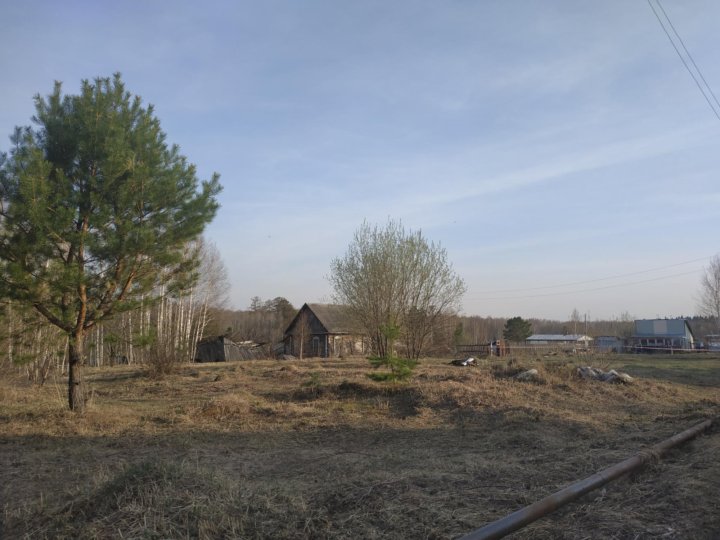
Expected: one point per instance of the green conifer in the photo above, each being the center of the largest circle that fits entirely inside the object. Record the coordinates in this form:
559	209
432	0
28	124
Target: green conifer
96	212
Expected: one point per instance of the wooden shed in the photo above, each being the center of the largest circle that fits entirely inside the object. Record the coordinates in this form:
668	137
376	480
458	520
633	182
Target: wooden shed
324	330
222	349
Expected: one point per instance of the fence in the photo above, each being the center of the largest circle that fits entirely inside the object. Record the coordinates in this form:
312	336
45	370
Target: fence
524	349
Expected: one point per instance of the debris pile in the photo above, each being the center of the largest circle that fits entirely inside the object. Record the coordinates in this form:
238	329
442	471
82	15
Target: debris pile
596	374
465	362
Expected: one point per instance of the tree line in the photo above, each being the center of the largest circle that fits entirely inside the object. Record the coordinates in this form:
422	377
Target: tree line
159	333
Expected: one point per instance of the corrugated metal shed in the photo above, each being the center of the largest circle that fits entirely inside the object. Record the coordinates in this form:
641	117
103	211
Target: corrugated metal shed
222	349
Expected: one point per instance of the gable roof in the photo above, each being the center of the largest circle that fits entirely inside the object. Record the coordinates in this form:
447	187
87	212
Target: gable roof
334	318
663	328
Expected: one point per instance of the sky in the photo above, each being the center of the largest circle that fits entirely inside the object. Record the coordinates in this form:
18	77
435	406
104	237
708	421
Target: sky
559	151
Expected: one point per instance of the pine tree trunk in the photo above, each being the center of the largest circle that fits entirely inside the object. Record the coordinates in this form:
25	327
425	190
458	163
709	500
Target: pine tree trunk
76	386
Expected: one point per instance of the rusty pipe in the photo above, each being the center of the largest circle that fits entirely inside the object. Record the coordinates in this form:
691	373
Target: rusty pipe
524	516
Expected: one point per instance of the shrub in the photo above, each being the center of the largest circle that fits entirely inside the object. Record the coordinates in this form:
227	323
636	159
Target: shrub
400	368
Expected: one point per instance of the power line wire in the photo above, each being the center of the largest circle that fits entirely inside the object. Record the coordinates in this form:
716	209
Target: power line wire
595	280
697	68
687	67
563	293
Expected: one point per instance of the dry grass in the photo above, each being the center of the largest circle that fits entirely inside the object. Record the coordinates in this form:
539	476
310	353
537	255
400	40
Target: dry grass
315	449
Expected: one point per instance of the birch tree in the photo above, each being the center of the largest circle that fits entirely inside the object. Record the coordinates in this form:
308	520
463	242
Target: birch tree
709	298
182	316
30	343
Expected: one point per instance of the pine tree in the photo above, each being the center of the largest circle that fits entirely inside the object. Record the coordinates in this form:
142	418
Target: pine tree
96	212
517	329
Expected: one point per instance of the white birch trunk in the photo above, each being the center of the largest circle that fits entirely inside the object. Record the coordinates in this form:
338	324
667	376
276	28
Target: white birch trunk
128	338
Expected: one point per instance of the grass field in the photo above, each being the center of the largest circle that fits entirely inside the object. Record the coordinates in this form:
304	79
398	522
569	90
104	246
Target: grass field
315	449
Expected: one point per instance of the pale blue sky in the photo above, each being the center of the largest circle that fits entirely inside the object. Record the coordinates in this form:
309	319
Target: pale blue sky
541	143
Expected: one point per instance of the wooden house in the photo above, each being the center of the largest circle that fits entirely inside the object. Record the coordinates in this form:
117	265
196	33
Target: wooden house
324	330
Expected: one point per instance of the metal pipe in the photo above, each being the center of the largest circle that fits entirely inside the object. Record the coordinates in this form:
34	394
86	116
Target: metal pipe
533	512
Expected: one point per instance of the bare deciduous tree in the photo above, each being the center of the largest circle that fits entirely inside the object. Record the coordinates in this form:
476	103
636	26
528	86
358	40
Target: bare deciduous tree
264	322
31	343
709	297
393	278
181	316
575	319
164	330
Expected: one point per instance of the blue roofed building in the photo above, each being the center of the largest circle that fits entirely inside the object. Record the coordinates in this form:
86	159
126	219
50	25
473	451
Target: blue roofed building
662	335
